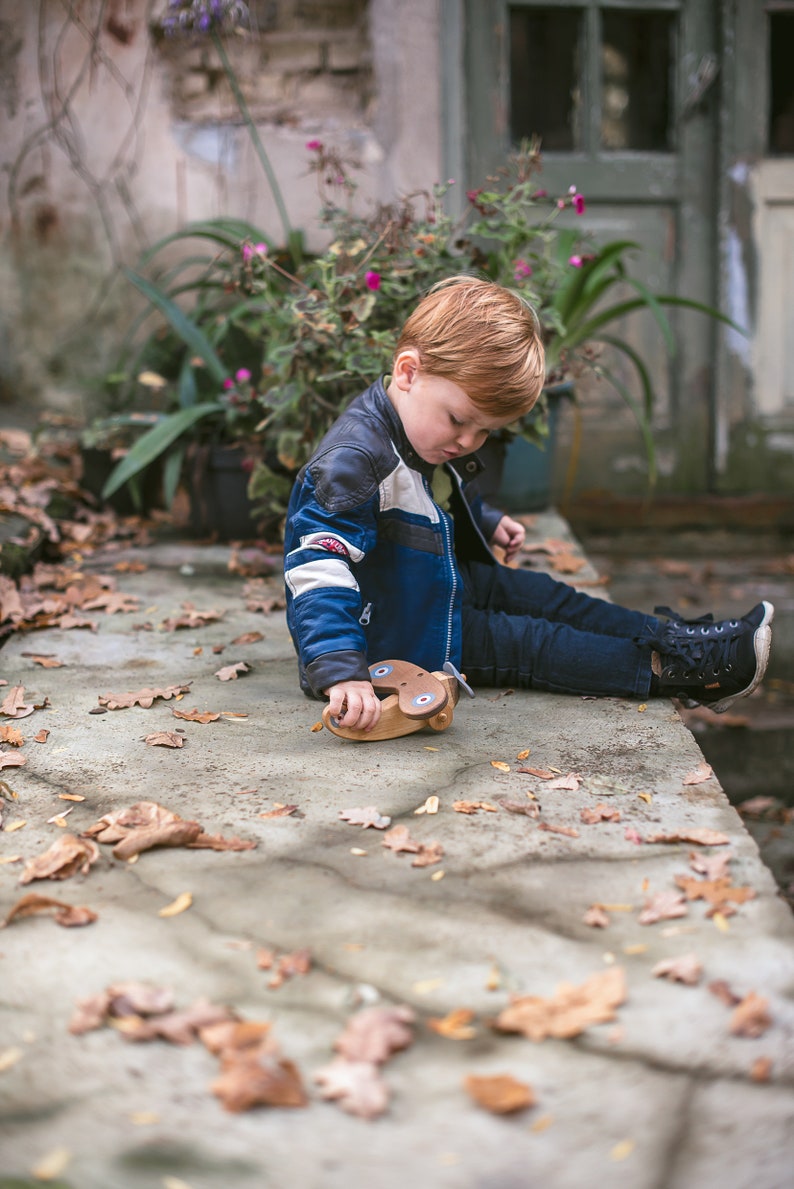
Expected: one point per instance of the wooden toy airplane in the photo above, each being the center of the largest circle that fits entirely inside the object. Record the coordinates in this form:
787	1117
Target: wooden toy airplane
416	699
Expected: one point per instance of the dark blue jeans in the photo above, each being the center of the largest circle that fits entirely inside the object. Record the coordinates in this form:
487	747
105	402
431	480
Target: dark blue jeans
528	631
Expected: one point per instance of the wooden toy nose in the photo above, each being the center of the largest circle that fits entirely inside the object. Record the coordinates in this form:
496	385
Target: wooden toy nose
419	693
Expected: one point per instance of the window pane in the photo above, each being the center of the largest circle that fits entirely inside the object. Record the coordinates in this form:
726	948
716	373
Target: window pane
637	55
545	98
781	89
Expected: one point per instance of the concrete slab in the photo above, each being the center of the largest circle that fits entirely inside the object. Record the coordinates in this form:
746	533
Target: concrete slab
662	1097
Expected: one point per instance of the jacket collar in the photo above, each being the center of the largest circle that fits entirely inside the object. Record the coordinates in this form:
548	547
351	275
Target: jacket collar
467	468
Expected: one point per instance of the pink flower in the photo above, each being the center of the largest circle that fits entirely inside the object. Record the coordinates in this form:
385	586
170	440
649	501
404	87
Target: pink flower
373	280
227	384
473	195
560	204
314	146
576	261
247	252
541	193
578	203
521	270
260	249
242	375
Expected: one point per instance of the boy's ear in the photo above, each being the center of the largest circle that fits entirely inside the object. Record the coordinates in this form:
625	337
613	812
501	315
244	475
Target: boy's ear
405	367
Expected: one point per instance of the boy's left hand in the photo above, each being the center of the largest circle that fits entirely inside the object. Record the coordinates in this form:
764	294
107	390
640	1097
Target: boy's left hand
509	536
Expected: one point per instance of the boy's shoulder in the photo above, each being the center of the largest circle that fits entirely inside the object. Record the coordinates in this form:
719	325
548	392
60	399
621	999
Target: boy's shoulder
356	454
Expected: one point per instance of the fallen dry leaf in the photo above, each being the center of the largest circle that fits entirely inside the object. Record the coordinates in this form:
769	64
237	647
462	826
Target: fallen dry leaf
67	855
280	811
540	773
118	1001
455	1025
248	638
164	739
701	836
699	774
191	618
527	808
720	988
663	906
142	697
232	672
10	1057
14	705
632	835
601	813
501	1094
50	1167
219	842
570	1011
366	817
372	1035
473	806
12	759
430	805
761	1069
571	782
68	915
287	965
142	826
194	715
356	1085
551	828
500	765
751	1016
595	917
687	969
717	892
41	736
183	901
429	853
11	735
399	839
712	866
258	1079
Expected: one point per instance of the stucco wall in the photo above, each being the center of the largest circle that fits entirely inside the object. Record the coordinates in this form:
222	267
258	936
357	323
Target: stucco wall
111	138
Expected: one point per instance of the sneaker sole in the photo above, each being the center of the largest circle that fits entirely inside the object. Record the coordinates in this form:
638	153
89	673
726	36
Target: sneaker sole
762	642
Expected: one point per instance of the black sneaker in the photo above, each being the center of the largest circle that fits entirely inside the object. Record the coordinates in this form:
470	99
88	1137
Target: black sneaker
710	663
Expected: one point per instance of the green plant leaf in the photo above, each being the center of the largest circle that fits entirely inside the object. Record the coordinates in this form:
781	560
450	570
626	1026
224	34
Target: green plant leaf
228	232
186	329
155	442
172	471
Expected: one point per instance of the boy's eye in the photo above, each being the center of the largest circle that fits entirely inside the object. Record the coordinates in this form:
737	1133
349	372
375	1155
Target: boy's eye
455	420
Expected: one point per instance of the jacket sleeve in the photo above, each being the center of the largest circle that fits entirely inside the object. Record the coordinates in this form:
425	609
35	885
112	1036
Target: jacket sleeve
332	526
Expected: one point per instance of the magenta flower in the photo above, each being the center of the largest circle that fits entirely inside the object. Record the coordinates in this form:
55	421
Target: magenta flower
247	252
314	146
473	195
578	203
521	270
260	249
227	384
541	193
576	261
373	280
242	375
560	204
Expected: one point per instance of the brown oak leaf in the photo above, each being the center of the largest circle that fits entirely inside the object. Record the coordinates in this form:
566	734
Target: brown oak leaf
248	638
398	838
455	1025
596	917
219	842
12	759
366	817
570	1011
751	1016
526	808
700	835
551	828
232	672
712	866
67	855
473	806
258	1078
429	853
68	915
11	735
501	1093
141	697
601	813
663	906
194	715
13	704
570	783
716	891
687	969
699	774
164	739
356	1085
191	618
375	1033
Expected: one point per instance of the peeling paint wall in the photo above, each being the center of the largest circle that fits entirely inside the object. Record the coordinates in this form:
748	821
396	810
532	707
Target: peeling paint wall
111	138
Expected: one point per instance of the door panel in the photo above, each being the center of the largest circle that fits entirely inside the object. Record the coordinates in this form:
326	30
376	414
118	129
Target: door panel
625	97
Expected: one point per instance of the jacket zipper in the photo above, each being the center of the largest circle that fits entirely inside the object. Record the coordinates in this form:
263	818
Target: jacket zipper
365	615
454	588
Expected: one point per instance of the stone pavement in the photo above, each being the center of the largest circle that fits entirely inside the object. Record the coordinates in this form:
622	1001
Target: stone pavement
662	1097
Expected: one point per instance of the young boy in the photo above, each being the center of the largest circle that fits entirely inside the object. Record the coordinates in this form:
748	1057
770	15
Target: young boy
387	556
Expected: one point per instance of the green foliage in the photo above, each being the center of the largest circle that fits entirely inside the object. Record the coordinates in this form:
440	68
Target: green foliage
253	348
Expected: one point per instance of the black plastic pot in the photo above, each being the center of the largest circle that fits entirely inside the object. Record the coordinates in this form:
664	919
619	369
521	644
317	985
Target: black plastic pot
218	487
97	466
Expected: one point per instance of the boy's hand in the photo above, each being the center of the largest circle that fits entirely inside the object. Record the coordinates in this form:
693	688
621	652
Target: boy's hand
509	536
354	704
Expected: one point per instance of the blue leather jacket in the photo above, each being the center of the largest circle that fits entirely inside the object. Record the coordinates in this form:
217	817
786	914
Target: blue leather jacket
370	559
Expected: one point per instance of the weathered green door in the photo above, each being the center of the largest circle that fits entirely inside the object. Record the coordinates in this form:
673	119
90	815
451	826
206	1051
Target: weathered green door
624	98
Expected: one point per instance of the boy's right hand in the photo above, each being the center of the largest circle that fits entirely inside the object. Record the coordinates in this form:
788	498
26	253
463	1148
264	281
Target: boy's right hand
354	704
